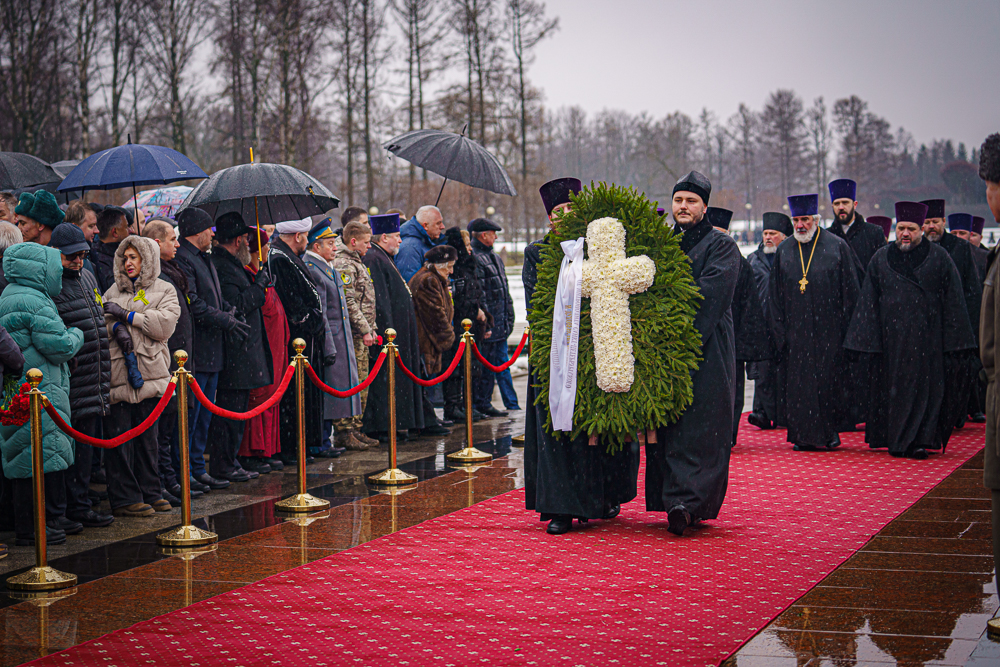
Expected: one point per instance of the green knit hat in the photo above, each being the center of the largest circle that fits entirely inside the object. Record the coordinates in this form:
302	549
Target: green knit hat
41	207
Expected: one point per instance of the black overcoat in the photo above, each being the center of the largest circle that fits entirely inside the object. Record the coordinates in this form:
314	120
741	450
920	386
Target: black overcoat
393	310
911	318
564	476
689	464
208	309
79	305
102	258
809	329
248	361
753	338
972	284
497	299
864	238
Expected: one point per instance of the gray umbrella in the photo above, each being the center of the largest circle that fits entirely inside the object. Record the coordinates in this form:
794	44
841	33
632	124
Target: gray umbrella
20	170
263	193
454	156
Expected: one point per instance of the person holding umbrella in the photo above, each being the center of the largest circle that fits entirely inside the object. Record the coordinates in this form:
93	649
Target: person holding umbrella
38	214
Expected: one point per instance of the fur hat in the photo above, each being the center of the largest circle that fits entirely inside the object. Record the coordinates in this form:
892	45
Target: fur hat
41	207
440	254
989	159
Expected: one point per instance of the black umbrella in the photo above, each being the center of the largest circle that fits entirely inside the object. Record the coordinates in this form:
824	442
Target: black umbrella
454	156
20	170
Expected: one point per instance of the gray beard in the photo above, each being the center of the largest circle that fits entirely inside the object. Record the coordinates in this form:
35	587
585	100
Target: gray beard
933	237
908	247
770	249
807	237
243	254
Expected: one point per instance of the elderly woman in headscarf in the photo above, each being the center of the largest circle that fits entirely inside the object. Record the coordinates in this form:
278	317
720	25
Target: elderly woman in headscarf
433	305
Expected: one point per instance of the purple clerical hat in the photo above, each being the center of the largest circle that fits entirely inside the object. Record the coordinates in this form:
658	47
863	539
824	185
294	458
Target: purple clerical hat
801	205
961	221
911	211
843	188
557	192
935	207
882	221
387	223
978	223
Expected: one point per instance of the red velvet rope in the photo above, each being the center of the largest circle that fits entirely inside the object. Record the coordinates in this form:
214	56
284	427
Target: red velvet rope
124	437
243	416
508	363
440	378
354	390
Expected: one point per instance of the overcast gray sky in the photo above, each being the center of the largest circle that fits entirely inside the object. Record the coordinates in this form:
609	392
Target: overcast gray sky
931	67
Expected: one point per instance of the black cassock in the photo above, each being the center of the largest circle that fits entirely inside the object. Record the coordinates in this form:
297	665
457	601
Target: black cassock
564	476
689	463
963	254
304	311
768	376
393	310
911	319
809	329
864	238
753	338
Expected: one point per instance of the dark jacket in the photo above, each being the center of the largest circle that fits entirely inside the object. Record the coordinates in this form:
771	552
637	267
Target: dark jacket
11	359
497	295
209	310
183	336
80	305
864	238
298	294
102	257
248	362
466	289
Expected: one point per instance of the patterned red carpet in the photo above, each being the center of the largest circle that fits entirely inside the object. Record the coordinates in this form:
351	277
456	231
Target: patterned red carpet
486	585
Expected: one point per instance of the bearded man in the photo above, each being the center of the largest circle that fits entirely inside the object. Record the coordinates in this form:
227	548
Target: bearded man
768	411
912	285
814	286
864	238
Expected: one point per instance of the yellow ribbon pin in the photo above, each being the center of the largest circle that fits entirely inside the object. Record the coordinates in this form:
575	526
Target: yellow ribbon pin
141	296
98	299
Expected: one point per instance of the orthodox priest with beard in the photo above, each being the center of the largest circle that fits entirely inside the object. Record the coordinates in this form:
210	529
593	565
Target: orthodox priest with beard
864	238
814	286
687	468
768	412
566	478
912	286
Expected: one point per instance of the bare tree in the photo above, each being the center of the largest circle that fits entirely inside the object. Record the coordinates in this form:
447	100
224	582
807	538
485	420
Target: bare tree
782	130
744	126
122	24
818	127
529	26
87	15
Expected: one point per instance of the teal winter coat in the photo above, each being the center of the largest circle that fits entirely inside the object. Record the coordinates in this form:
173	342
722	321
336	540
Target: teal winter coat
34	273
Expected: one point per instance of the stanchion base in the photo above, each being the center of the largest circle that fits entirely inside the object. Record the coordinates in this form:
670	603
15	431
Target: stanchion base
301	502
41	579
393	477
468	455
42	598
189	553
186	536
517	441
993	628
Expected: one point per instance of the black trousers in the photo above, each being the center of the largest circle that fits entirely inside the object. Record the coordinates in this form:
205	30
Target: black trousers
132	468
168	454
225	435
19	500
76	482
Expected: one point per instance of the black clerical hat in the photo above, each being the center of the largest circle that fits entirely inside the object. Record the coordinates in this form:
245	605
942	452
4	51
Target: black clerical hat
778	222
719	217
935	207
557	192
695	182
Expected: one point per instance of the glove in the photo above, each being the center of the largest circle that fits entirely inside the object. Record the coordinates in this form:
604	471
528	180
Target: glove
263	279
123	338
330	359
116	311
132	369
239	330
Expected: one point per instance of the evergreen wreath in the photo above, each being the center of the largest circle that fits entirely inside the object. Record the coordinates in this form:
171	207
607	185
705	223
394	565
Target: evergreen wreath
665	343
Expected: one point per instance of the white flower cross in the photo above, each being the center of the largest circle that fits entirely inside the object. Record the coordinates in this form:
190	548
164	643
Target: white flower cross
609	277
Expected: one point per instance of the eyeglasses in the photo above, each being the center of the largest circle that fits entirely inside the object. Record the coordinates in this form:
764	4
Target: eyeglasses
78	255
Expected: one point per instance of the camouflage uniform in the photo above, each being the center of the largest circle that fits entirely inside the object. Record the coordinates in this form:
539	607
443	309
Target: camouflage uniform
359	292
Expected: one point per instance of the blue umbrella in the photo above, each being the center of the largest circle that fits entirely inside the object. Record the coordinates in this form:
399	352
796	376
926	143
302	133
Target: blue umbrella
131	165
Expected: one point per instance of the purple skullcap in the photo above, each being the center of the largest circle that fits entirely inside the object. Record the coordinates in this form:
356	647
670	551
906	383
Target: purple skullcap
978	223
911	211
935	207
801	205
883	221
387	223
843	188
961	221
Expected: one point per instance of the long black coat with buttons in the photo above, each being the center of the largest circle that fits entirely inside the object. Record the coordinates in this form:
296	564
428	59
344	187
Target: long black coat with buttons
79	305
248	361
208	308
494	281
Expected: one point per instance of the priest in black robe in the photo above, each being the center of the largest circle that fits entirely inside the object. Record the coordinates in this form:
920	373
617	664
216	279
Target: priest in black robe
567	478
304	310
884	223
814	286
393	310
687	468
961	225
753	338
911	319
864	238
979	253
768	376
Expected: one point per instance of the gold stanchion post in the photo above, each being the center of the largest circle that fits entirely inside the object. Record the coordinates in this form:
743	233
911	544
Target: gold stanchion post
41	577
393	476
468	454
185	535
301	501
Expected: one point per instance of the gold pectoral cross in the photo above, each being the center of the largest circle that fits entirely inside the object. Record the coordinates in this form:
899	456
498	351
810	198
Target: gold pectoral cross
802	285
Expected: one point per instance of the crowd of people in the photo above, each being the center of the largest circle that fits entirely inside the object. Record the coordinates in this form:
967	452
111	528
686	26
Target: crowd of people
840	329
99	299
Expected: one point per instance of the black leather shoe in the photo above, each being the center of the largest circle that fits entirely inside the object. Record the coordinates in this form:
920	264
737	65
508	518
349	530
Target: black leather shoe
978	418
918	454
490	411
678	519
478	416
211	482
328	453
93	519
237	475
255	464
961	423
803	448
760	421
612	512
560	525
277	465
448	422
175	490
52	536
67	526
435	430
833	444
170	498
457	416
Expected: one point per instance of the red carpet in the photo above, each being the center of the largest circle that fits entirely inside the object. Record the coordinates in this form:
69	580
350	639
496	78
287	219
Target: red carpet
486	585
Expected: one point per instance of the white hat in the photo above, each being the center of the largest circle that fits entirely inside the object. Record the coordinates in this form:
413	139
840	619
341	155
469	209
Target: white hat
294	226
